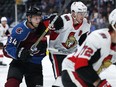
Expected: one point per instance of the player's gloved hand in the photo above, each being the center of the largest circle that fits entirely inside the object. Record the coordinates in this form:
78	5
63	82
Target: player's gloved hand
34	50
40	49
51	18
24	54
103	83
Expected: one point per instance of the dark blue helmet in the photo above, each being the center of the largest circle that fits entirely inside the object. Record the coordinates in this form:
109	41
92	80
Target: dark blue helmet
34	11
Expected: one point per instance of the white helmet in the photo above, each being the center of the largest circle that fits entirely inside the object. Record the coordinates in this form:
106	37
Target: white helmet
3	19
78	7
112	18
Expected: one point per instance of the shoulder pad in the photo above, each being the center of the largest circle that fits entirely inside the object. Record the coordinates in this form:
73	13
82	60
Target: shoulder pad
67	17
103	35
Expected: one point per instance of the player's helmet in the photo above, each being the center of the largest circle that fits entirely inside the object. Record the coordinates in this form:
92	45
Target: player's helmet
78	7
112	18
33	11
3	19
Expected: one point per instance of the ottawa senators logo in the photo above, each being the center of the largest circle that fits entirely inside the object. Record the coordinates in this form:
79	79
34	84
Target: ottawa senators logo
70	42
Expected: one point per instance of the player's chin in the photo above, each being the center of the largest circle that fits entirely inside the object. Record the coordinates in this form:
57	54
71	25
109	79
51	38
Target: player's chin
80	21
114	41
36	25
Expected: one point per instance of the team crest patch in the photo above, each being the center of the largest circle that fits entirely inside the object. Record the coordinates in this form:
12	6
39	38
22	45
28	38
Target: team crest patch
66	17
19	30
103	35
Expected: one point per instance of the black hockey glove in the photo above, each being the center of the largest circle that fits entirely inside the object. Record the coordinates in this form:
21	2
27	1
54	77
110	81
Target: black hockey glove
56	25
103	83
40	49
114	63
34	50
23	54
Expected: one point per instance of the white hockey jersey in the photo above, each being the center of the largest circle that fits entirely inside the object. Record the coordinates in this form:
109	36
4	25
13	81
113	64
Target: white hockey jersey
99	39
65	40
3	37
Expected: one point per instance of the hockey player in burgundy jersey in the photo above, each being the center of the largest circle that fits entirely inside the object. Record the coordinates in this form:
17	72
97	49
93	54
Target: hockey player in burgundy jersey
69	31
82	68
25	62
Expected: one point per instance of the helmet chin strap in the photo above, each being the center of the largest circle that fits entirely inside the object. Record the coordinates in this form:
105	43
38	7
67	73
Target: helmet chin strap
31	22
76	22
113	27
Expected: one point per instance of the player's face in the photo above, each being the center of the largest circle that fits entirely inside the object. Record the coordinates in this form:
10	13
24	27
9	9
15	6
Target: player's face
4	22
36	20
79	16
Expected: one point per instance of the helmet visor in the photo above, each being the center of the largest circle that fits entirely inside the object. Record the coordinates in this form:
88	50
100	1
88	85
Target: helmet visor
84	14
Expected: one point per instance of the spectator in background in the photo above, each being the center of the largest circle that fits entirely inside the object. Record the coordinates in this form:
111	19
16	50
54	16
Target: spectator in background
3	37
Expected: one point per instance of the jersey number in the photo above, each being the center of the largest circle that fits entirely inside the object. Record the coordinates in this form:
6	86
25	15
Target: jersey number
13	41
87	51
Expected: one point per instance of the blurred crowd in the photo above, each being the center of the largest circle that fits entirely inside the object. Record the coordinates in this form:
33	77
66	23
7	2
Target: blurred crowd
98	10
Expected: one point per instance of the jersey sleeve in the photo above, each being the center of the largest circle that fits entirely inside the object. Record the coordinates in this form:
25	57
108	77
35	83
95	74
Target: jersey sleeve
58	24
87	50
61	21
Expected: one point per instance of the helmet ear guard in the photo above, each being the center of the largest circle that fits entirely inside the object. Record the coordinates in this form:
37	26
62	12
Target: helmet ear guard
34	11
112	19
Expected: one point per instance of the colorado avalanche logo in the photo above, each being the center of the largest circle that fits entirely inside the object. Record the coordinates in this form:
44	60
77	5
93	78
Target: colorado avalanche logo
19	30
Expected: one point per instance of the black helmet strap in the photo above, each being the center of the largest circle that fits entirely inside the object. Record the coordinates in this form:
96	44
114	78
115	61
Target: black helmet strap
31	21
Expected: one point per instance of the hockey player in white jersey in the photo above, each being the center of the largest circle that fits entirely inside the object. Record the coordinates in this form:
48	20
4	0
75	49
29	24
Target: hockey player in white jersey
3	37
70	30
82	68
3	30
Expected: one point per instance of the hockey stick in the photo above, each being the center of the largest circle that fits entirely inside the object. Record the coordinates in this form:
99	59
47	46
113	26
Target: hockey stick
50	25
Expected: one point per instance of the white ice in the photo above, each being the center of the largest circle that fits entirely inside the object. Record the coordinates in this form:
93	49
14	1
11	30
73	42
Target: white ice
48	74
47	71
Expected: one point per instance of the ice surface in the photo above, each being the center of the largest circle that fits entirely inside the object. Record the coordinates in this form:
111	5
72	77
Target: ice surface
47	71
48	74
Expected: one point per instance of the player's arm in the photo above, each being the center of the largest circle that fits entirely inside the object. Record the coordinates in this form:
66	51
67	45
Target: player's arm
86	30
85	69
82	38
58	24
7	32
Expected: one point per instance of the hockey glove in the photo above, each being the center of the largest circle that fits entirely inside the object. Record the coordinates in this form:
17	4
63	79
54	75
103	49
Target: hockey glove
24	54
103	83
40	49
34	50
